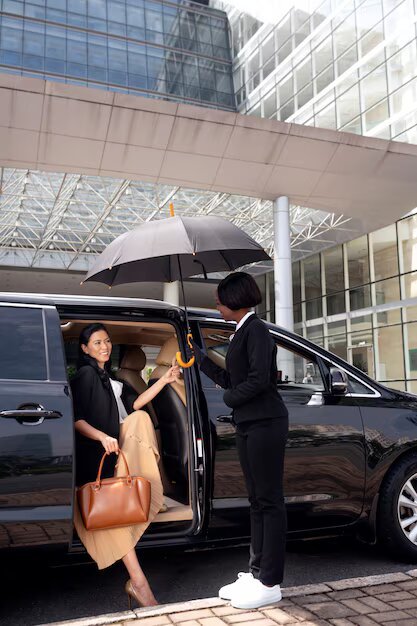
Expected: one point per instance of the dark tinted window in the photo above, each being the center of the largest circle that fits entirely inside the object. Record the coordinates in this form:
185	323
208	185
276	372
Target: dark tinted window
22	344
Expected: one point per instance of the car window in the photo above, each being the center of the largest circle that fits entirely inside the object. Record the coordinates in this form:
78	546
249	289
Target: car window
354	386
296	369
22	341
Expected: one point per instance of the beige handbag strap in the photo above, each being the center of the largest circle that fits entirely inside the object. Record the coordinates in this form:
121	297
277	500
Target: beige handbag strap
100	467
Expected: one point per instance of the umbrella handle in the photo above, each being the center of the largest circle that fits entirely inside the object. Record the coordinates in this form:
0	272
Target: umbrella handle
178	356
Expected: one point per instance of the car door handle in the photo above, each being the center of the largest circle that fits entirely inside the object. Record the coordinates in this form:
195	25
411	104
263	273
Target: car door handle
31	417
225	419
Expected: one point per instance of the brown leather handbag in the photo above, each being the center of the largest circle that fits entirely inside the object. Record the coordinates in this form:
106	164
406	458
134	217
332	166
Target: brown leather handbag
114	502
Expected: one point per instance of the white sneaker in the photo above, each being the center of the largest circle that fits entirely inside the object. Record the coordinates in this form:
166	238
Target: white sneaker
243	579
255	595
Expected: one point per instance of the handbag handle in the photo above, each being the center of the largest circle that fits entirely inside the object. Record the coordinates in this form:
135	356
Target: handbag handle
97	484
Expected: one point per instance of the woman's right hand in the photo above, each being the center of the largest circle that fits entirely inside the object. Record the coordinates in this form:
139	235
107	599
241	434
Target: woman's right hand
110	444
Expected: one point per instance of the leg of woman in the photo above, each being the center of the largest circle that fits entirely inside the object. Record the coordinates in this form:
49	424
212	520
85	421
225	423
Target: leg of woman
138	579
265	451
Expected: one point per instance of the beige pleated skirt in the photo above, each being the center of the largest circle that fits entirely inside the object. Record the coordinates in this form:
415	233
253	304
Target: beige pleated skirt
138	442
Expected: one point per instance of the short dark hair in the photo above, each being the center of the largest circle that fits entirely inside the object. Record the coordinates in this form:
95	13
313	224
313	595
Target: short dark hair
239	291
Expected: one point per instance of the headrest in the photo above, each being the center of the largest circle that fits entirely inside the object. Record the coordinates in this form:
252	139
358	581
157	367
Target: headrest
167	352
133	359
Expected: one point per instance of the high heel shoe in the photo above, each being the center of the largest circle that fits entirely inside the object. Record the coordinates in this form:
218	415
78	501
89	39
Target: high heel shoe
131	593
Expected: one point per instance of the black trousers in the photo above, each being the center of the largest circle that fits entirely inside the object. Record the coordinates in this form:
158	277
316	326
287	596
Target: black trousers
261	448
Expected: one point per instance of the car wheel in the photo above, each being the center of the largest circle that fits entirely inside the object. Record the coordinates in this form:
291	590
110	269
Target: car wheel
397	510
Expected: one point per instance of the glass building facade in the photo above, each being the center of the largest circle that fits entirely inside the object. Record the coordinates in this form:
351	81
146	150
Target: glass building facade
165	49
351	66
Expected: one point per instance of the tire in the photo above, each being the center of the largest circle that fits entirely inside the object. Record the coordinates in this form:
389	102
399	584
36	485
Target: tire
396	510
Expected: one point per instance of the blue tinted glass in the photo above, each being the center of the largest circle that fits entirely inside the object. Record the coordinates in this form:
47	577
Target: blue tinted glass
97	8
23	345
77	6
31	10
116	11
76	69
11	39
56	66
34	43
55	47
74	19
10	58
97	73
33	62
57	4
13	6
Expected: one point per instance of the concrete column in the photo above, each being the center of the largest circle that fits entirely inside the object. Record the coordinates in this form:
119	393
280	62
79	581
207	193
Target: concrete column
282	264
283	281
172	292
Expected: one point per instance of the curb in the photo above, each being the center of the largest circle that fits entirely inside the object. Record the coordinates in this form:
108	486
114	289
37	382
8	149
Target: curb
206	603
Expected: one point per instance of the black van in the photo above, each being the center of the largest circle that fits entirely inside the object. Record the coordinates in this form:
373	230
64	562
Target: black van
351	460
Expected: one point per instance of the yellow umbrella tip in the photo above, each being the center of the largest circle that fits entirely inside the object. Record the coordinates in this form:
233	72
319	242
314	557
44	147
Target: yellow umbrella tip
171	209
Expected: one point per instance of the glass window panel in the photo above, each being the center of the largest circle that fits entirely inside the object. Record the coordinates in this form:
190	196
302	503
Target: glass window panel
97	8
387	291
405	97
285	51
269	67
403	17
410	285
314	309
295	368
327	117
32	10
333	269
286	89
11	39
336	303
401	66
116	11
344	35
391	354
34	43
410	313
284	30
385	252
314	333
347	60
368	14
22	339
268	48
337	344
287	110
270	104
371	39
376	115
325	79
312	277
135	16
323	56
296	282
374	87
77	6
303	74
358	261
407	236
411	349
376	61
360	297
305	95
348	105
387	318
361	323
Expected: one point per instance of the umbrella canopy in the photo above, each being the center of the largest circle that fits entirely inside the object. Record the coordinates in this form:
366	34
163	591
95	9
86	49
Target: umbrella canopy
174	248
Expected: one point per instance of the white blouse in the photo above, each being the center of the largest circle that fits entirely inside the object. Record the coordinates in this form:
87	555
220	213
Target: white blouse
117	387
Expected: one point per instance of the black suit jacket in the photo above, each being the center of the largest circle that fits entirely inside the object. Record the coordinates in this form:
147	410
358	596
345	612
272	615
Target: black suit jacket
250	378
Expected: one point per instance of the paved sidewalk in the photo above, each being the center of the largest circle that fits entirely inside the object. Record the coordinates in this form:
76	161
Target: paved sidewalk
388	599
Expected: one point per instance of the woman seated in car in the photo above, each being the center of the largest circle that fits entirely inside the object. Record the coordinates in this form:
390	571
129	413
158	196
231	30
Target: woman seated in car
108	418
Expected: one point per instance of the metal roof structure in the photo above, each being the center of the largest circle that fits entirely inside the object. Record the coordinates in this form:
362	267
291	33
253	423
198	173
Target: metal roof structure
61	221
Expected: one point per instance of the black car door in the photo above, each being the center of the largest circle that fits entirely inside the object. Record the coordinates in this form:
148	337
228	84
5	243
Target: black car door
324	475
36	429
324	478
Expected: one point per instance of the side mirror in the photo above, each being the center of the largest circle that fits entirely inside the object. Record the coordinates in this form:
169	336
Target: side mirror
338	381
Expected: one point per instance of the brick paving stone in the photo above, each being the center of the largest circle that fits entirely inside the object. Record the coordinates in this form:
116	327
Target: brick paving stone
390	616
347	594
243	617
211	621
330	610
375	604
226	610
408	584
279	616
364	620
289	592
299	613
368	581
315	597
358	606
410	621
395	596
191	622
262	622
378	589
341	621
405	604
185	616
158	620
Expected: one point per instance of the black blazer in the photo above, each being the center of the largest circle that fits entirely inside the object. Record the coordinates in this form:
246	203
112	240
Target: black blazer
250	378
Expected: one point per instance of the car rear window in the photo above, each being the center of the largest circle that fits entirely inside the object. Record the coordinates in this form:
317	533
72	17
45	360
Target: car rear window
22	341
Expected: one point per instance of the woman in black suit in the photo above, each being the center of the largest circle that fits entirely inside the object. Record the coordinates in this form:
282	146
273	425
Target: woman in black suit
261	420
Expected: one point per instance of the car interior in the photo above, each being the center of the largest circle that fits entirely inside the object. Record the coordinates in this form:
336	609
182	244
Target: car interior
142	353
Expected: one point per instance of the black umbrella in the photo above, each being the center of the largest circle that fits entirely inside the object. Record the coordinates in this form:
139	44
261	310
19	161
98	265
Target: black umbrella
173	249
